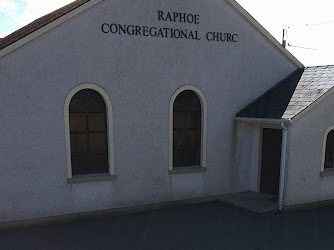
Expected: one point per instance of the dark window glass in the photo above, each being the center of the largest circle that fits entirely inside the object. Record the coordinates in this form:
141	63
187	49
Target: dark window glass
329	155
186	129
88	133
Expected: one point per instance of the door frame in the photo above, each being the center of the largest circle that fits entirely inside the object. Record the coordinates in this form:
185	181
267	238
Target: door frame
263	126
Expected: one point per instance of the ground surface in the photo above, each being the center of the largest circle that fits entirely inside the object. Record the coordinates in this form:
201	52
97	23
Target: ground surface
212	225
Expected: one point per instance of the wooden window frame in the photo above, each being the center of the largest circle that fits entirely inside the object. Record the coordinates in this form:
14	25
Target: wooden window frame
202	166
85	114
191	152
110	175
329	150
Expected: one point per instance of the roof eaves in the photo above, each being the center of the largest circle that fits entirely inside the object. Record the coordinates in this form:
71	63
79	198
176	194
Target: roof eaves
264	32
263	120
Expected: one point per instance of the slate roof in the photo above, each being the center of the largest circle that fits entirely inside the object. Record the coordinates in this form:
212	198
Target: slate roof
39	23
292	95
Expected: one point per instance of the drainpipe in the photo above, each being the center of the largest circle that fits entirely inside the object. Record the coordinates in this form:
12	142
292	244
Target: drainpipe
282	170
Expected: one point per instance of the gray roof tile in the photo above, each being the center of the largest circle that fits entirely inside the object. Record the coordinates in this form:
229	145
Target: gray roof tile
292	95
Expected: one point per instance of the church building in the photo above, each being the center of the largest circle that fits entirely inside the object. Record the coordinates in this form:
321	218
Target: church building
111	104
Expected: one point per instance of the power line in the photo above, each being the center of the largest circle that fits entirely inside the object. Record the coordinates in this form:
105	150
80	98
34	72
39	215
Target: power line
300	47
284	40
322	23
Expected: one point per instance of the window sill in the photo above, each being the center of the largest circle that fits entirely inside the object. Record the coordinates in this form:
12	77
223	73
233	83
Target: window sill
187	169
91	178
327	172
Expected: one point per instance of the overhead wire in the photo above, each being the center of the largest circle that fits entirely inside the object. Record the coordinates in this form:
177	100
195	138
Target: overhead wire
315	24
307	25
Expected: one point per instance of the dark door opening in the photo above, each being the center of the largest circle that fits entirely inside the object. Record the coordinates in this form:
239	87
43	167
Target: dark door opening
271	161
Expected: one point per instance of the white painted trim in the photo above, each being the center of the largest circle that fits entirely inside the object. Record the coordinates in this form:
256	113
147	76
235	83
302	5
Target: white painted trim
47	27
109	126
264	32
322	167
203	123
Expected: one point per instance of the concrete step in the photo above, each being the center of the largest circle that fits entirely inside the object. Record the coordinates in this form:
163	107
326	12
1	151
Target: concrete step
254	201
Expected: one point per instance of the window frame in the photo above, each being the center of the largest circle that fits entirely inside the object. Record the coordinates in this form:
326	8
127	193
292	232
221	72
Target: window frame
202	166
325	149
109	121
325	171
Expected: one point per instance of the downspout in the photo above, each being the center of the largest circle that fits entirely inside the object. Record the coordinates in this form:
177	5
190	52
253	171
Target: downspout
282	170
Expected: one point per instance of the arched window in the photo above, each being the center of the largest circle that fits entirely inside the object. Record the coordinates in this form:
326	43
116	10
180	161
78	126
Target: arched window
88	133
187	116
329	154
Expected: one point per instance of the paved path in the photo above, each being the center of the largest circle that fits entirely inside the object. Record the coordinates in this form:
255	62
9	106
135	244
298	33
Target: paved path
212	225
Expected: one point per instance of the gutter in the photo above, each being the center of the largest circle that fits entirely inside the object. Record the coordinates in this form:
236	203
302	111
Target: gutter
264	120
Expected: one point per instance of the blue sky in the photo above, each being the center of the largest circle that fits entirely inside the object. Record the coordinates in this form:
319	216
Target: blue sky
8	10
14	14
310	22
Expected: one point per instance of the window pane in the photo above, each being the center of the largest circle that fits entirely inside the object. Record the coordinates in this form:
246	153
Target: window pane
100	163
89	164
78	143
96	121
77	122
179	120
80	164
329	156
193	147
97	142
186	129
194	120
179	139
179	157
88	133
187	100
87	100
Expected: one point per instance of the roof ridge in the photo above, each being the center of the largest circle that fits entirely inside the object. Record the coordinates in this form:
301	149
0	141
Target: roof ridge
318	66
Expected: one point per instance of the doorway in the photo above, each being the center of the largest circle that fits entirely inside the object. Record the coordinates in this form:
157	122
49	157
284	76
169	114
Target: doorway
270	161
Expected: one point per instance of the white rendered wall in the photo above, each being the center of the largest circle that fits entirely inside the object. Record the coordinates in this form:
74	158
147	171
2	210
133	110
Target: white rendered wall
140	75
247	156
304	184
